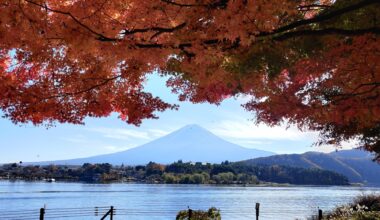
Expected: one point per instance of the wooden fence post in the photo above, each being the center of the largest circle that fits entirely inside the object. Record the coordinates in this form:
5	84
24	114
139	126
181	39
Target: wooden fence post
320	214
111	213
190	213
42	213
257	210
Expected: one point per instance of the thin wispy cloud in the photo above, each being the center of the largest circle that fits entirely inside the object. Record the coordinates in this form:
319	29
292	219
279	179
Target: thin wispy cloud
112	148
128	134
157	132
120	133
345	145
242	99
248	130
256	142
246	133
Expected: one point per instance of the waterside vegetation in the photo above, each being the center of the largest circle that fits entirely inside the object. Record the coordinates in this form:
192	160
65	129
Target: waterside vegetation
364	207
176	173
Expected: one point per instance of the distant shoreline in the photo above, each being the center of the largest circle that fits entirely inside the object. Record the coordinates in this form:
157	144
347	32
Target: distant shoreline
226	173
183	184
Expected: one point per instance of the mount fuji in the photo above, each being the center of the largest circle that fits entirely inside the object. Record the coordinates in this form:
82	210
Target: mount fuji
189	143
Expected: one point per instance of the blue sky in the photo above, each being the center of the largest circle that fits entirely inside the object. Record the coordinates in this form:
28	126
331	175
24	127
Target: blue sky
107	135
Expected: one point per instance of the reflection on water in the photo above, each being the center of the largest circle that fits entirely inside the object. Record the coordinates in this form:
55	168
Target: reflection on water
142	201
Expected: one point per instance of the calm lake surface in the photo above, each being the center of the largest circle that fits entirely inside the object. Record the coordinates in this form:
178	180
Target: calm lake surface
22	200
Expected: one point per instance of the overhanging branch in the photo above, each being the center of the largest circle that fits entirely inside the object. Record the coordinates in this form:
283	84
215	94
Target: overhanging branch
158	30
327	31
282	33
100	36
320	18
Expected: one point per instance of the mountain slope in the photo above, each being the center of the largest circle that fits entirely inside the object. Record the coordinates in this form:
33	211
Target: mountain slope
356	165
190	143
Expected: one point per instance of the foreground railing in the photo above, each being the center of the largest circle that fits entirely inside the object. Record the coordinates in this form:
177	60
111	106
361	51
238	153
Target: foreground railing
103	213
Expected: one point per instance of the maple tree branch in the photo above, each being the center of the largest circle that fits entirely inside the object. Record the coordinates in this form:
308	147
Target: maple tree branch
320	18
344	96
101	37
215	5
168	30
281	33
327	31
66	94
294	25
321	32
366	84
158	30
183	5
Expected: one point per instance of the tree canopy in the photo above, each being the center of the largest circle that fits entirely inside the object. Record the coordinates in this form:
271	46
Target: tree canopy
315	64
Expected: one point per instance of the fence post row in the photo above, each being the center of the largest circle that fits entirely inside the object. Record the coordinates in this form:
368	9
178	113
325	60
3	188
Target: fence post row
111	213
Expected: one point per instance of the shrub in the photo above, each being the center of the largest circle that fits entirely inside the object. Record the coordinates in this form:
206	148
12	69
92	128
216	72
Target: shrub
211	214
169	178
365	207
224	178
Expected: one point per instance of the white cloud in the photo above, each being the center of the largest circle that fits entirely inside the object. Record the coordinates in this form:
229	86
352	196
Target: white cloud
242	99
255	142
128	134
112	148
120	133
346	145
158	132
248	130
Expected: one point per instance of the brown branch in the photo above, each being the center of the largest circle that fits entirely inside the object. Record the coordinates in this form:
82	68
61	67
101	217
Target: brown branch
216	5
327	31
320	18
66	94
158	30
167	30
235	44
317	19
100	36
281	33
366	84
345	96
183	5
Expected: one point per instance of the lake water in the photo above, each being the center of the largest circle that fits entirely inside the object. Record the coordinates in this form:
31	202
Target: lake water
22	200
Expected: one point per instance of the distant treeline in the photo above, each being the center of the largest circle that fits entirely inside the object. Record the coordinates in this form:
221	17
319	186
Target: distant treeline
176	173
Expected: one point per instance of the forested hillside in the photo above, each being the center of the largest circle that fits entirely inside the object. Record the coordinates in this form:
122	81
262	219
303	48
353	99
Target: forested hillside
356	165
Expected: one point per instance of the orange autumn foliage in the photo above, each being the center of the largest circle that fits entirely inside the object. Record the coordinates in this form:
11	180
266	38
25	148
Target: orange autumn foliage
312	63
